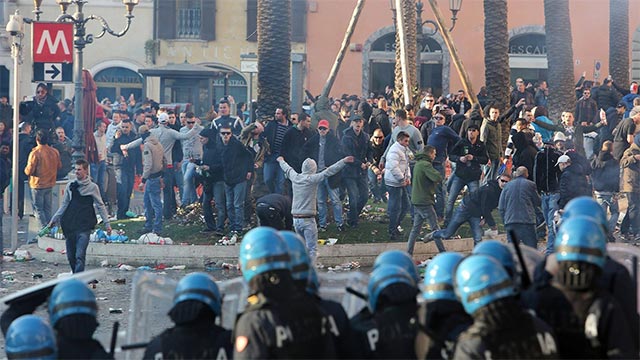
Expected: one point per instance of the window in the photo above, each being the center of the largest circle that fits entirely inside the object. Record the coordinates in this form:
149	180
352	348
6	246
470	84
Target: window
298	20
185	19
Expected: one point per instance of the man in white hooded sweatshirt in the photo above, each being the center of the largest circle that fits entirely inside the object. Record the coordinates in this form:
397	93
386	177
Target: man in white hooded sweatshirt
305	190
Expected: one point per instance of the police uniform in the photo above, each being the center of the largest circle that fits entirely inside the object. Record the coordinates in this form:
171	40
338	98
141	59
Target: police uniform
440	324
203	341
337	323
504	330
283	328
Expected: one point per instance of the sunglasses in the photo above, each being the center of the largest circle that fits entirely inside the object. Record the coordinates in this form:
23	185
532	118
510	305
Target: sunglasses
428	100
378	137
439	117
503	181
323	128
191	122
225	133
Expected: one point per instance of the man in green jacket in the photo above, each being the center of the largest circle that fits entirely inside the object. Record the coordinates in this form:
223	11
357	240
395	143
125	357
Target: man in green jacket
425	180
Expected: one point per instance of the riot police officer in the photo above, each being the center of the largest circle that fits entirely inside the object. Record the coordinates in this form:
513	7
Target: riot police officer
196	305
501	328
398	258
72	312
390	329
501	253
441	317
30	337
588	321
306	280
615	277
279	321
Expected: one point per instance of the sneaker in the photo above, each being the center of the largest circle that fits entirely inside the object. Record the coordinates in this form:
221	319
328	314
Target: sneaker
322	229
491	233
400	229
429	236
394	237
341	228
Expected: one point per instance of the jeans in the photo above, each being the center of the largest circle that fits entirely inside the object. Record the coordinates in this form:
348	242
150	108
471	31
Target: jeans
77	244
376	187
358	194
168	194
221	204
273	177
397	207
325	191
42	200
525	233
189	183
124	179
308	229
460	216
98	172
441	194
420	214
235	204
630	224
455	187
152	205
588	144
549	207
609	201
491	170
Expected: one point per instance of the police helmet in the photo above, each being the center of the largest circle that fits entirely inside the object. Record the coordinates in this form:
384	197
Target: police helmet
481	280
30	337
585	206
71	297
200	287
299	257
498	251
263	249
384	276
438	277
398	258
581	238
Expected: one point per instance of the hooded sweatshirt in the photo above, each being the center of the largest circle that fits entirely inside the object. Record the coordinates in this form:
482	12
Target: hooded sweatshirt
425	180
84	188
305	185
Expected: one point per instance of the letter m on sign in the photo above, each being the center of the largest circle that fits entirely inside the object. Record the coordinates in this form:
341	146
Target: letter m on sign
52	42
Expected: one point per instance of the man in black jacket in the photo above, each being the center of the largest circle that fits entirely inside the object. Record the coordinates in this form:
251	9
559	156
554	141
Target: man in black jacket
212	173
573	182
355	142
294	140
474	208
606	182
324	148
468	154
546	175
42	111
238	167
124	166
274	132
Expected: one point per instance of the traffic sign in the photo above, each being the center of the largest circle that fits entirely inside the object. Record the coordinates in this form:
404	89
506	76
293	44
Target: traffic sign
249	66
52	47
54	72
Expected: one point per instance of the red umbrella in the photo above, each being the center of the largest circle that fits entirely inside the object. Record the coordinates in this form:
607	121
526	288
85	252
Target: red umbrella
89	112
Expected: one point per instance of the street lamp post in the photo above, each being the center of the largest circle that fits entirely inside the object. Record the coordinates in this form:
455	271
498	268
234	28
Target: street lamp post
15	29
80	40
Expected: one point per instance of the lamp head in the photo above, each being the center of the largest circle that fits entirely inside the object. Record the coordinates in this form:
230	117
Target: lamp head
64	5
15	24
130	4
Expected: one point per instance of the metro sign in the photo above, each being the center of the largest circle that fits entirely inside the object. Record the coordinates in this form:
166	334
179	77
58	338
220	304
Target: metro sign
52	46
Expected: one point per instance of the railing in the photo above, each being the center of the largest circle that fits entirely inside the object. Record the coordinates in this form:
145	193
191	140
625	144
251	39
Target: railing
189	23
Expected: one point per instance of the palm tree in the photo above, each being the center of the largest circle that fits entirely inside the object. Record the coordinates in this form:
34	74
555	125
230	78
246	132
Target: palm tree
410	31
496	56
560	57
619	41
274	56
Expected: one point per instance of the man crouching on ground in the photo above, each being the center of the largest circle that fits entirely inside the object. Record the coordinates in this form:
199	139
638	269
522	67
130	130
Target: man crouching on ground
305	190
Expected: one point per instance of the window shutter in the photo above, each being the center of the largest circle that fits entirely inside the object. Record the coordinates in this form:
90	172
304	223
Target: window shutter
208	23
298	20
252	20
166	19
